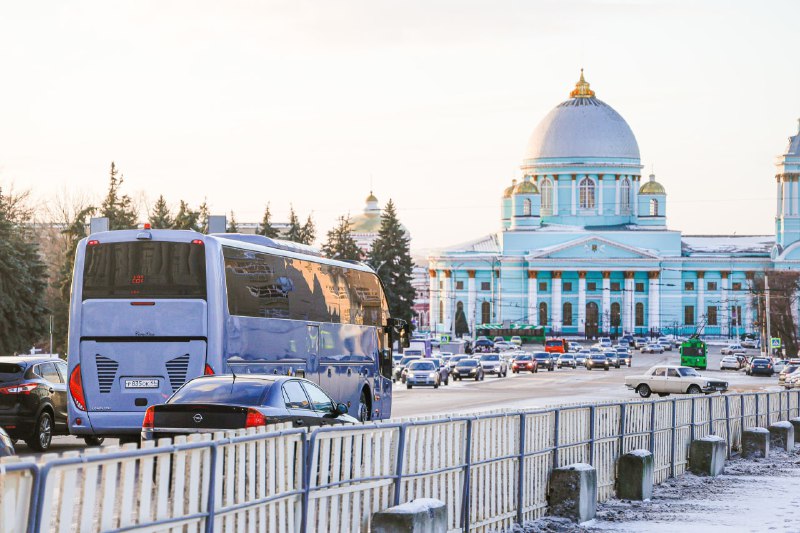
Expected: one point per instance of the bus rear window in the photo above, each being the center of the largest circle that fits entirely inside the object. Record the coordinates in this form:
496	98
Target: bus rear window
554	343
144	270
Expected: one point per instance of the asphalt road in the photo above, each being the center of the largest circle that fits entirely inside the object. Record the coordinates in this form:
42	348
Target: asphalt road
519	391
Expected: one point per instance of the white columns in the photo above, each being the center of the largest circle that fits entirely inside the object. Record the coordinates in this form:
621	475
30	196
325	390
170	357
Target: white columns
726	304
581	303
599	194
574	197
448	296
533	296
434	300
654	302
635	189
472	297
701	296
748	314
555	195
556	292
616	195
498	293
627	304
605	312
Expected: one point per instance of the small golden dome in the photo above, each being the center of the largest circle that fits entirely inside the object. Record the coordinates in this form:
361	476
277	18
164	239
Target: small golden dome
582	89
652	187
371	197
526	187
510	190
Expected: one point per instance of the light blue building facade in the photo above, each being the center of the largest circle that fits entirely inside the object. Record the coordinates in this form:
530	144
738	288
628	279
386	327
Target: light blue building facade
584	248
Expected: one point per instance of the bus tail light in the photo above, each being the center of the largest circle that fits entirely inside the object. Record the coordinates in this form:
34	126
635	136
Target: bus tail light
255	419
76	388
149	421
208	371
92	243
198	242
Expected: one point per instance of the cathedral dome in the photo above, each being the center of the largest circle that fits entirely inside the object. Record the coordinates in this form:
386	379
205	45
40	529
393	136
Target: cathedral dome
652	187
370	220
510	189
526	187
580	127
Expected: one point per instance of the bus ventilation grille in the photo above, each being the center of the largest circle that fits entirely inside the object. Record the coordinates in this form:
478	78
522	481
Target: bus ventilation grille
177	369
106	372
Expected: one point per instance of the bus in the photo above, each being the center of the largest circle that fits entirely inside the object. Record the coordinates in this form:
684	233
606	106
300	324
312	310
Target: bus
528	333
694	353
151	309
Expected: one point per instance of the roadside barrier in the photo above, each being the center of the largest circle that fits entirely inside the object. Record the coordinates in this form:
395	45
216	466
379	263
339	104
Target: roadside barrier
490	469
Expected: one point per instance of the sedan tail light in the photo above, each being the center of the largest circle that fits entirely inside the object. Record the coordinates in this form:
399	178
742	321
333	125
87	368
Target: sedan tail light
149	421
76	388
255	418
22	388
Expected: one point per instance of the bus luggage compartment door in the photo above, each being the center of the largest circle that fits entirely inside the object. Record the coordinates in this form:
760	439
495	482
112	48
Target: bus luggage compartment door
130	376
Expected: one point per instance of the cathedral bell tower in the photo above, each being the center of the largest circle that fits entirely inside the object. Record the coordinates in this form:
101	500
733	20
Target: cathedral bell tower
787	217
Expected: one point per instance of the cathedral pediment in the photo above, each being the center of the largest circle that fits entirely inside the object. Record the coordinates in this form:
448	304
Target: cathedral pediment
592	248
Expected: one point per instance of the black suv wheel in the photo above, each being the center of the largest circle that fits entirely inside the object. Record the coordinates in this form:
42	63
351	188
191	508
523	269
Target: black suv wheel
42	433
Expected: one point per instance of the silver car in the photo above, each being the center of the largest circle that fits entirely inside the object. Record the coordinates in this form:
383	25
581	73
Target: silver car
730	363
493	364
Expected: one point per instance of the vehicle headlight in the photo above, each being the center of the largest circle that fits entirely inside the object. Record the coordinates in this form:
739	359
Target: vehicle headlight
432	375
708	383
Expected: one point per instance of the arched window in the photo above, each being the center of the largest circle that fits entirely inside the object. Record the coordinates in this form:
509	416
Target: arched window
546	189
586	190
615	315
625	196
526	207
567	316
486	313
441	312
653	207
639	314
542	314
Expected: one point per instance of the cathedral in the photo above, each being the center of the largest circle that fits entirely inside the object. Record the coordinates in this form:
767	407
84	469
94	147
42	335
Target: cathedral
584	248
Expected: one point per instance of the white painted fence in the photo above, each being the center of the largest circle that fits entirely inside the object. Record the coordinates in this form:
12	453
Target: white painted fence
492	469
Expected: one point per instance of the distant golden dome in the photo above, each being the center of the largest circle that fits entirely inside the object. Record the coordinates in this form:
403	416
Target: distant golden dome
652	187
526	187
371	197
510	190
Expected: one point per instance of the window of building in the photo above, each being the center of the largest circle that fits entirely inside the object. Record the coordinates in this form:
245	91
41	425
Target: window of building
711	316
688	285
737	285
543	286
567	317
526	207
591	286
736	315
586	190
486	313
711	285
441	312
625	196
542	314
639	314
653	207
639	287
567	286
615	286
547	194
615	321
688	315
460	285
486	286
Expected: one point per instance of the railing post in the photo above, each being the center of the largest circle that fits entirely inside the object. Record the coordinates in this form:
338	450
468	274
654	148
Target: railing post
36	508
521	469
621	429
591	434
691	430
398	471
212	481
673	439
652	427
557	413
465	496
710	416
728	424
769	410
307	453
741	412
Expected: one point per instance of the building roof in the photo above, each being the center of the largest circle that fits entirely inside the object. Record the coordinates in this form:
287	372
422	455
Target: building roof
526	187
582	126
487	244
793	148
652	187
726	245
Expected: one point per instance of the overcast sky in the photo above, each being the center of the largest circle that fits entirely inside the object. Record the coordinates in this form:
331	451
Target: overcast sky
306	103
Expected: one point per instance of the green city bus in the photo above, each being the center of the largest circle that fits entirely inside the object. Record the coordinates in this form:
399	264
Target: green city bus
694	353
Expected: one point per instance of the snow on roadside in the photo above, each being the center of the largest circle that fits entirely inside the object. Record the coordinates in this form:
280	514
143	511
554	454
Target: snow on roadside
752	496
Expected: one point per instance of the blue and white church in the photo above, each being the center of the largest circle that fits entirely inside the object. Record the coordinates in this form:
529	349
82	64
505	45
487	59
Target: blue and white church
584	249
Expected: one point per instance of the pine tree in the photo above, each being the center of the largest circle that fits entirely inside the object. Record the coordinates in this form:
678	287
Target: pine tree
186	218
203	213
160	216
391	257
23	279
232	228
117	207
309	232
266	229
341	244
295	232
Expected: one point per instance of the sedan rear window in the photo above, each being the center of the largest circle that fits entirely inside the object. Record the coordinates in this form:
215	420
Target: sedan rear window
222	389
10	368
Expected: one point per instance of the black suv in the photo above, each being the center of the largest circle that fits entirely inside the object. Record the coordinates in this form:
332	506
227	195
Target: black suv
33	399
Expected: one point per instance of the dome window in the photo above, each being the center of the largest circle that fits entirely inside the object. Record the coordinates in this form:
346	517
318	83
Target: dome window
586	189
547	195
653	207
625	196
526	207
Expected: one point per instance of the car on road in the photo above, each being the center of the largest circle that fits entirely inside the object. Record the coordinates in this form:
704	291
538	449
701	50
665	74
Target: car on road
604	342
625	355
422	373
226	401
580	357
652	348
779	364
524	363
792	380
672	379
753	344
732	349
516	340
469	369
597	360
499	339
639	342
629	339
760	366
33	399
400	368
443	369
665	343
556	346
787	370
493	365
6	444
613	358
730	362
545	360
567	359
503	346
451	364
483	345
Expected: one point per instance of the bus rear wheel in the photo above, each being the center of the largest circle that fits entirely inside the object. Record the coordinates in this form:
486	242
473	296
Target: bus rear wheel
364	409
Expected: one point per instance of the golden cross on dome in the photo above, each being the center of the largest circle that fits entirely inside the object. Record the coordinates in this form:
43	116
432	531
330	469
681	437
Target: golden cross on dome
582	89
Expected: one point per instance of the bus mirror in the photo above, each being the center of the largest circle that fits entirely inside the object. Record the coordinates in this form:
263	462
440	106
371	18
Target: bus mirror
399	331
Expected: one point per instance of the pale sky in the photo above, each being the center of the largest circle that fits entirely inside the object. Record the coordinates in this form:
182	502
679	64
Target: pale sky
245	102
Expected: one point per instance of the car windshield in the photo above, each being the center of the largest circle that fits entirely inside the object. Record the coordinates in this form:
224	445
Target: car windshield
566	356
226	389
598	356
524	358
406	360
688	372
554	343
468	362
490	358
421	365
542	356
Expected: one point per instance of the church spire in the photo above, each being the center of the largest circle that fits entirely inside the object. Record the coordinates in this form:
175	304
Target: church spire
582	89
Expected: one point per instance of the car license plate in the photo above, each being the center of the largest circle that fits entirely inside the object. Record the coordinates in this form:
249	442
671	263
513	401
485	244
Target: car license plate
141	383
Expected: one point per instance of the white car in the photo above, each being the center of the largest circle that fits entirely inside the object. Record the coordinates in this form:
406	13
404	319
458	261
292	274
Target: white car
516	340
494	365
730	362
652	348
792	380
733	349
778	365
604	342
672	379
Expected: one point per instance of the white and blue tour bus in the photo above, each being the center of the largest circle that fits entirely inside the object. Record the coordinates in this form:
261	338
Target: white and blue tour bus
151	309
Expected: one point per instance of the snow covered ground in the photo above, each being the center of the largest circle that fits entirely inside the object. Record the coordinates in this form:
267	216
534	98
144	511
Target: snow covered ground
752	496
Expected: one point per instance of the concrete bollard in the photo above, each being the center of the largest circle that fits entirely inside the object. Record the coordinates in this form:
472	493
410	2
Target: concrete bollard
755	443
795	422
423	515
635	475
781	435
707	455
573	492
